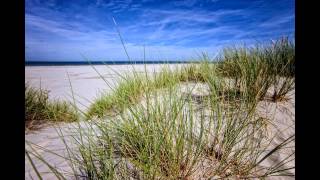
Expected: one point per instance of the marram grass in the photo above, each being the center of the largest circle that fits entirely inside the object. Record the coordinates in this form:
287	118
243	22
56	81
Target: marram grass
249	68
170	136
39	109
268	65
159	131
133	86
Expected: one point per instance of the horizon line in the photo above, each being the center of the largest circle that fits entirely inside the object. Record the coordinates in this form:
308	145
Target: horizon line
35	63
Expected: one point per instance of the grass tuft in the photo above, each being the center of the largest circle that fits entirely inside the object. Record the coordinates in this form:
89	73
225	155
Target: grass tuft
39	109
257	69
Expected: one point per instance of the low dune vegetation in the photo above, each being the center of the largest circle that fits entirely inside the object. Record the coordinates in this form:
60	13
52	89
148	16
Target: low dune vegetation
253	70
262	65
197	121
40	110
170	136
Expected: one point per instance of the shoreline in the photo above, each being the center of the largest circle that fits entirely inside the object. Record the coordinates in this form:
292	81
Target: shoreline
81	63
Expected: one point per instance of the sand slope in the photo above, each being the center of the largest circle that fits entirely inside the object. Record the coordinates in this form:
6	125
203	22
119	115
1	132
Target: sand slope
281	126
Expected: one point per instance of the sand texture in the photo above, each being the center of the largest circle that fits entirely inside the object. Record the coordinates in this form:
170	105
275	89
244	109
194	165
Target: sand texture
86	83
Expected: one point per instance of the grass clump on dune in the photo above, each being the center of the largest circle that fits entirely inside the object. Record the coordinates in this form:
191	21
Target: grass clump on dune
281	57
278	57
39	109
248	71
132	87
127	92
270	65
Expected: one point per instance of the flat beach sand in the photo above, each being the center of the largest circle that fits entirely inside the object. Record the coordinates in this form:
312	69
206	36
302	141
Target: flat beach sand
85	80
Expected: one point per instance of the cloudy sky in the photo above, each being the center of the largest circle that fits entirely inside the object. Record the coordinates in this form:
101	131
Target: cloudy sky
60	30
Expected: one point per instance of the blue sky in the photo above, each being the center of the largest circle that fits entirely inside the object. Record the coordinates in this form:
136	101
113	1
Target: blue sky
62	30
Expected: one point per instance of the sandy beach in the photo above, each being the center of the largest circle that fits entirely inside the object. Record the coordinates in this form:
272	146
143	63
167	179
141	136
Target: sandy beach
85	80
157	90
87	85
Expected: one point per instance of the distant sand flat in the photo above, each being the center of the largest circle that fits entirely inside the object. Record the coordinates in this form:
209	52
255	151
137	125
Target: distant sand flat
86	82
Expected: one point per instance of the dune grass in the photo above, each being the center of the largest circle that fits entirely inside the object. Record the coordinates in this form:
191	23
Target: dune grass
39	109
278	57
158	131
249	68
133	86
264	66
169	136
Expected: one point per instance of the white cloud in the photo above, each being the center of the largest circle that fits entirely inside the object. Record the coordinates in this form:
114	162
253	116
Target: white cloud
167	34
276	21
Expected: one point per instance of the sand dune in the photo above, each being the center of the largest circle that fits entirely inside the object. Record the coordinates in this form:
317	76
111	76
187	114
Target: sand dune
86	83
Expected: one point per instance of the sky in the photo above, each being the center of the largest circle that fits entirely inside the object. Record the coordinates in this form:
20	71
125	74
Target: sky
76	30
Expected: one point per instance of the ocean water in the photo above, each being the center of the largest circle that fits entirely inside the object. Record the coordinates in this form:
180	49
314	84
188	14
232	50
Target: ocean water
76	63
